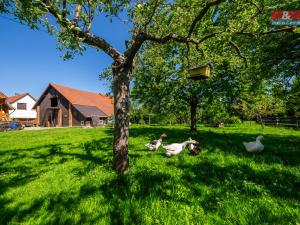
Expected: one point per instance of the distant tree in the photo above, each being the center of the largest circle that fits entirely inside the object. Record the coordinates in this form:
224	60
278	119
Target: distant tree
293	101
159	21
262	105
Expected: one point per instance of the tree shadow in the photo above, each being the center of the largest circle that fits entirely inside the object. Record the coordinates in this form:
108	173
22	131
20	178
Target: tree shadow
280	184
278	149
137	186
19	167
126	193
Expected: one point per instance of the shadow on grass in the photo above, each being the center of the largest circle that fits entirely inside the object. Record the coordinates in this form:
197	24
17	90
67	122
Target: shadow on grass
21	166
125	194
280	184
278	149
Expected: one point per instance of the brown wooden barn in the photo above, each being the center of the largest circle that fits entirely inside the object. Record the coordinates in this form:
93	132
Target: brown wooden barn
61	106
4	107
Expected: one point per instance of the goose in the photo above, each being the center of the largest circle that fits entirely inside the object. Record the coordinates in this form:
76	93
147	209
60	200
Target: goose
154	145
176	148
194	150
255	146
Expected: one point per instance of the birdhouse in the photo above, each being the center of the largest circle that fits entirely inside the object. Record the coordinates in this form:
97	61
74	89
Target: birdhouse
200	72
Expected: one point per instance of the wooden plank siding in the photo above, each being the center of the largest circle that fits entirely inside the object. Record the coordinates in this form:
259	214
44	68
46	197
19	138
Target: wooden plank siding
70	119
38	115
46	109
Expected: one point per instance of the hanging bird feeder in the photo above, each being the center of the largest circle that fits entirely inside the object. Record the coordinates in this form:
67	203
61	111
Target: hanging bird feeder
200	72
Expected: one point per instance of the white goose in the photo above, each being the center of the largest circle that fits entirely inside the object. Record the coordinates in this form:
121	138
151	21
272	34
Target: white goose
154	145
255	146
176	148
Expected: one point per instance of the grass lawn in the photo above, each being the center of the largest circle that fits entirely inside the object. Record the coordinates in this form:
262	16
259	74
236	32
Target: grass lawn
64	176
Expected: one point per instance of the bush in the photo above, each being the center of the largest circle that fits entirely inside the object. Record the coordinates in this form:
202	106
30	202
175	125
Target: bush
234	120
141	121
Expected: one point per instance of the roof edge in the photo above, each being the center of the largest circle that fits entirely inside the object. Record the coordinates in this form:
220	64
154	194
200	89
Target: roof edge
41	97
25	94
92	106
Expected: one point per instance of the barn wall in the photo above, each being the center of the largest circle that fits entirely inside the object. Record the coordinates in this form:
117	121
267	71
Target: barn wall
64	106
77	117
45	104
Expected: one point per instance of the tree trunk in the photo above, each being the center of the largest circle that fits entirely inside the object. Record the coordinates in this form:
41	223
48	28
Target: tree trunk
193	106
261	121
121	80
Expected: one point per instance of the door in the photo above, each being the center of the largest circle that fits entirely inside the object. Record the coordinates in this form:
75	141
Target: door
53	118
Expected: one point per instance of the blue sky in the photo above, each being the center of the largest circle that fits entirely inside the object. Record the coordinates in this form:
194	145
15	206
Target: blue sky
29	59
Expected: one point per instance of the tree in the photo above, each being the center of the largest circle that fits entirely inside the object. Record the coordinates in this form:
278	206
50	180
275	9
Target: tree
293	101
161	79
153	20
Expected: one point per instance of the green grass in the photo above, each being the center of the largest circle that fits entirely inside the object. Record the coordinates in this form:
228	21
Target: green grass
64	176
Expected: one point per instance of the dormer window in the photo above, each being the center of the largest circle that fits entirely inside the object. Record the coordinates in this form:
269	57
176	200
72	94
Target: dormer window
54	102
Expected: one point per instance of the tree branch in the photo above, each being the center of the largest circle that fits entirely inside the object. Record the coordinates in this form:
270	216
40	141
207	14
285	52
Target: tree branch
88	38
99	43
151	16
201	14
77	14
91	18
142	37
239	52
178	38
259	11
64	8
287	29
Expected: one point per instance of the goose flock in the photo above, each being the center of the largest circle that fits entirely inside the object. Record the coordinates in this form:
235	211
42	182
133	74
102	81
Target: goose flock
177	148
174	148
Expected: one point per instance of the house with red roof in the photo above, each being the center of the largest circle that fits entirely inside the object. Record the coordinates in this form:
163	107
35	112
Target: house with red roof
23	108
61	106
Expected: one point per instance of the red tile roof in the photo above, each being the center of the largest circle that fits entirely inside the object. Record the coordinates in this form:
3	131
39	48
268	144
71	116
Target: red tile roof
15	98
2	95
102	102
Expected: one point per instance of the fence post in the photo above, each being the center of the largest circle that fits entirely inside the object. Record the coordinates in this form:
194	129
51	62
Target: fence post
277	121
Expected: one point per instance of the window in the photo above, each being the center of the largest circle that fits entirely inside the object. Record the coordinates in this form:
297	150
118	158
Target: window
21	106
54	102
